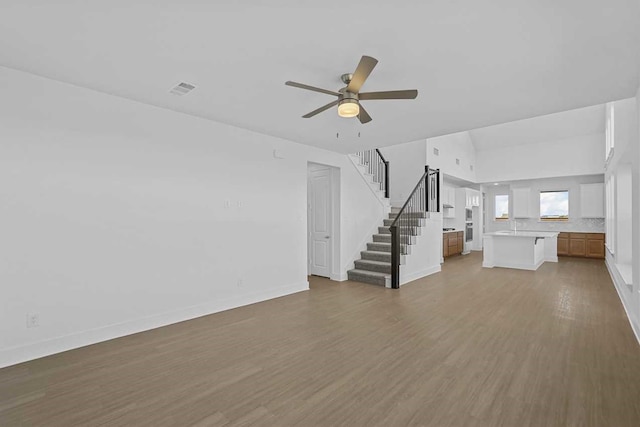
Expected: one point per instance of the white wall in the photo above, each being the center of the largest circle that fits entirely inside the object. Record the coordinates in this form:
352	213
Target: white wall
426	253
623	260
572	184
119	217
580	155
451	147
406	166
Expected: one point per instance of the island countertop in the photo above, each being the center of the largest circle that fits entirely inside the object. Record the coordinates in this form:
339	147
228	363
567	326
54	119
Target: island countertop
523	233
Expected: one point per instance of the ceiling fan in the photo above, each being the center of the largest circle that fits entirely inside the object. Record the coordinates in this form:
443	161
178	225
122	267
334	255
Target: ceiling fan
349	97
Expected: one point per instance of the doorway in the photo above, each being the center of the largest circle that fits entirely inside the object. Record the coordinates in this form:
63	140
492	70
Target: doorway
323	220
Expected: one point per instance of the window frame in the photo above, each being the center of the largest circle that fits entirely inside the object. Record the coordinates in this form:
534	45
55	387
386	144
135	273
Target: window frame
495	199
553	219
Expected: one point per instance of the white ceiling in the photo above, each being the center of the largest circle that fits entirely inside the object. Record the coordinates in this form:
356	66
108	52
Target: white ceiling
474	63
551	127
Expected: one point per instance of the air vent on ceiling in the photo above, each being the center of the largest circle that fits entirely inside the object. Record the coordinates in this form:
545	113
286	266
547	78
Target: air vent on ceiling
182	89
436	152
470	167
457	161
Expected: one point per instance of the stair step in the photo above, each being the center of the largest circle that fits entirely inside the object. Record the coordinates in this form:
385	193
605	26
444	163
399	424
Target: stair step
380	256
414	231
395	209
379	247
369	265
384	230
386	247
415	222
376	255
371	277
382	238
393	215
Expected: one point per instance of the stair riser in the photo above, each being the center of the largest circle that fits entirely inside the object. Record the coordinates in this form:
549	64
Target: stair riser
380	247
380	256
386	238
414	231
414	222
393	215
380	281
363	265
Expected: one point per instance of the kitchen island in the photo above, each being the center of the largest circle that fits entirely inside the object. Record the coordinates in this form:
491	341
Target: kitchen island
525	250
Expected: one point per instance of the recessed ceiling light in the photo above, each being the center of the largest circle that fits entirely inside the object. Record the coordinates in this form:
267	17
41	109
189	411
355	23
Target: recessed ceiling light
182	89
495	183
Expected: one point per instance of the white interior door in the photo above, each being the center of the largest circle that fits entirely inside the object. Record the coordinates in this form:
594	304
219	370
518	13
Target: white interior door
320	221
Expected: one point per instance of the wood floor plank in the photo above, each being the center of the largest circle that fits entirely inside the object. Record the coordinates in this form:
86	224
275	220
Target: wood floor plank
468	346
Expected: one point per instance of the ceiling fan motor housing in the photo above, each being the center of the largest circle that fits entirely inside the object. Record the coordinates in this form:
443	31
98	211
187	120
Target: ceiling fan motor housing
346	78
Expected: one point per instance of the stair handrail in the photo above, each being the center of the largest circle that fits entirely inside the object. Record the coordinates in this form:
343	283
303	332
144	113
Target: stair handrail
425	197
378	167
386	174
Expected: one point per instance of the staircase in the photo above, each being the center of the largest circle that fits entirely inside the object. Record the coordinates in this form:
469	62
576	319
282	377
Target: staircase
374	266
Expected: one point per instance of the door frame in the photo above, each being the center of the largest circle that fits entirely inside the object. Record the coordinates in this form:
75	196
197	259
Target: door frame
335	218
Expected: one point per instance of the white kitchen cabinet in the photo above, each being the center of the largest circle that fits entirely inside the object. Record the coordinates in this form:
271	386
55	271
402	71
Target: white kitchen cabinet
472	198
521	198
592	200
448	199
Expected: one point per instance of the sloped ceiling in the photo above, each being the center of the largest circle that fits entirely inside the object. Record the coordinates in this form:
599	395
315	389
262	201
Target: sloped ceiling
474	63
551	127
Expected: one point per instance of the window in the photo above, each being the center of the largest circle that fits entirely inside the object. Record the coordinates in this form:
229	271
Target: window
610	222
610	132
554	205
502	206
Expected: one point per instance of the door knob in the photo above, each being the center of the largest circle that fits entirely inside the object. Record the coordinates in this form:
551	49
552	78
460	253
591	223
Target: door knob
327	237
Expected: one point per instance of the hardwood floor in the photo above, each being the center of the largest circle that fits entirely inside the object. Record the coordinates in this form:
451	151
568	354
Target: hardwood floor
465	347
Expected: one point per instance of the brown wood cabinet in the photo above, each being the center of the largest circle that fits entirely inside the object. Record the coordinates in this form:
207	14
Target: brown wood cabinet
563	244
589	245
595	245
452	243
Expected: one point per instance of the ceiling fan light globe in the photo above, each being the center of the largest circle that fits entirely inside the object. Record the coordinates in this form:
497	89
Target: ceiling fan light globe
348	108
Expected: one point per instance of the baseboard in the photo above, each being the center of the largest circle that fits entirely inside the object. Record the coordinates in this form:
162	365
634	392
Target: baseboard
530	267
339	277
15	355
620	285
420	274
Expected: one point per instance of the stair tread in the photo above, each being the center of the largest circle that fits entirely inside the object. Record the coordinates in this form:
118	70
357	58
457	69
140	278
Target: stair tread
369	273
374	262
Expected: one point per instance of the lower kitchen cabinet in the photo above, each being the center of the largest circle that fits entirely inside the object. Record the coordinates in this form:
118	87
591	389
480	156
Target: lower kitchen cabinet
452	243
584	245
563	244
577	244
595	245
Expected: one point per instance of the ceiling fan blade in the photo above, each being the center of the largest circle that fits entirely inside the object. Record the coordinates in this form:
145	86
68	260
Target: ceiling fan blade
321	109
364	117
315	89
391	94
365	67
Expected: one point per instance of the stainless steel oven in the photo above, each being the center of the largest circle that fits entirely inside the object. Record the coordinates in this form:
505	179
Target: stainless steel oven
468	214
468	231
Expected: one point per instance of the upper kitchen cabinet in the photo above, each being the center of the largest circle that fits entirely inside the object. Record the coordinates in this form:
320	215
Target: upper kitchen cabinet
448	201
472	198
592	200
521	197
